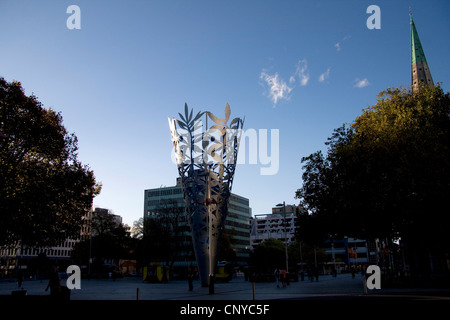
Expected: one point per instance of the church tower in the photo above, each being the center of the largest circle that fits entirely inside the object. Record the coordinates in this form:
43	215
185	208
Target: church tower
420	73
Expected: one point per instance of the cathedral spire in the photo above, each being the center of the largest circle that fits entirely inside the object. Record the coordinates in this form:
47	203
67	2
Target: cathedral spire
420	73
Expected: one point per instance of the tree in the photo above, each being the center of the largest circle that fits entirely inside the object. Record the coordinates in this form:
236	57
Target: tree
312	255
44	189
312	229
137	231
110	240
163	236
104	222
150	247
268	255
387	174
225	250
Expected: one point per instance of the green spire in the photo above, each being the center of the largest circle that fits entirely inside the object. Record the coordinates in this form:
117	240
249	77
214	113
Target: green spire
420	73
417	54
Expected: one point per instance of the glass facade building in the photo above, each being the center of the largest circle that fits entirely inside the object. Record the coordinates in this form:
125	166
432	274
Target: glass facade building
158	201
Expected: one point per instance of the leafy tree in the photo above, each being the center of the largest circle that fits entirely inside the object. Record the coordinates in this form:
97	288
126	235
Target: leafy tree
39	265
388	174
110	240
80	252
137	231
163	238
268	255
153	247
226	251
44	189
312	254
312	229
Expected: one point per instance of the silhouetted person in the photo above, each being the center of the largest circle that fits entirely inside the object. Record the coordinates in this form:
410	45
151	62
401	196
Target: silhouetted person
283	278
245	274
334	272
311	274
19	279
190	279
276	273
54	283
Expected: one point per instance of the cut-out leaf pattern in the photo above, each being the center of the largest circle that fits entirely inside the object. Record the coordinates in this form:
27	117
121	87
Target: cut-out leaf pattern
206	161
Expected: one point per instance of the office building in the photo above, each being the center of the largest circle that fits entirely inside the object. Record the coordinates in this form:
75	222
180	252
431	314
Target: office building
17	257
169	200
280	224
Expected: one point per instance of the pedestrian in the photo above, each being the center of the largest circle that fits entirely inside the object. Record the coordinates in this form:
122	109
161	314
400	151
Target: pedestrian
246	273
54	283
190	279
276	273
283	278
333	271
311	274
20	279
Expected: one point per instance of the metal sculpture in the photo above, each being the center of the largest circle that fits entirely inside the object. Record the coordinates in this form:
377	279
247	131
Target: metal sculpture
206	161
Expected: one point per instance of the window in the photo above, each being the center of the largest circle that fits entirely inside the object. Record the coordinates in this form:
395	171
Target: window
154	193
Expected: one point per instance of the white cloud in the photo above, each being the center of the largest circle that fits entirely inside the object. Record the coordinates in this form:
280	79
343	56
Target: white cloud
361	83
324	76
278	88
339	43
301	71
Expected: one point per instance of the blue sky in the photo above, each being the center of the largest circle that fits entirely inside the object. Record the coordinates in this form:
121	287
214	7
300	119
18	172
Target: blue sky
302	67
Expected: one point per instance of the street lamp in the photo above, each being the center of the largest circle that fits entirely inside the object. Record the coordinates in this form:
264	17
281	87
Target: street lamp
285	239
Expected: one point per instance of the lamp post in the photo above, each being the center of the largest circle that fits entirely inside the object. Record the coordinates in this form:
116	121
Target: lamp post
211	267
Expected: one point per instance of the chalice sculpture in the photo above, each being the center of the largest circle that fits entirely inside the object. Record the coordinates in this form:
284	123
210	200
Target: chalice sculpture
206	161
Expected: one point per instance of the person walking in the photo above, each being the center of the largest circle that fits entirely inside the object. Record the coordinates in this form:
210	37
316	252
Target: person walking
190	279
54	283
20	279
276	273
311	274
283	278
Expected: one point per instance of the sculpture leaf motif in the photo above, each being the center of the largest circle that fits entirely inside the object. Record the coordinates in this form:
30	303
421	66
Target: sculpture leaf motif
206	163
227	112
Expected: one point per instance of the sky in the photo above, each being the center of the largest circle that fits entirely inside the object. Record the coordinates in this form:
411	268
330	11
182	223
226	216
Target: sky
300	68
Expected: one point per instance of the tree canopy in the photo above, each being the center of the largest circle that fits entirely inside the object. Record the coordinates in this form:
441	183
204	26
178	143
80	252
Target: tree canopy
110	240
387	174
268	255
44	189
